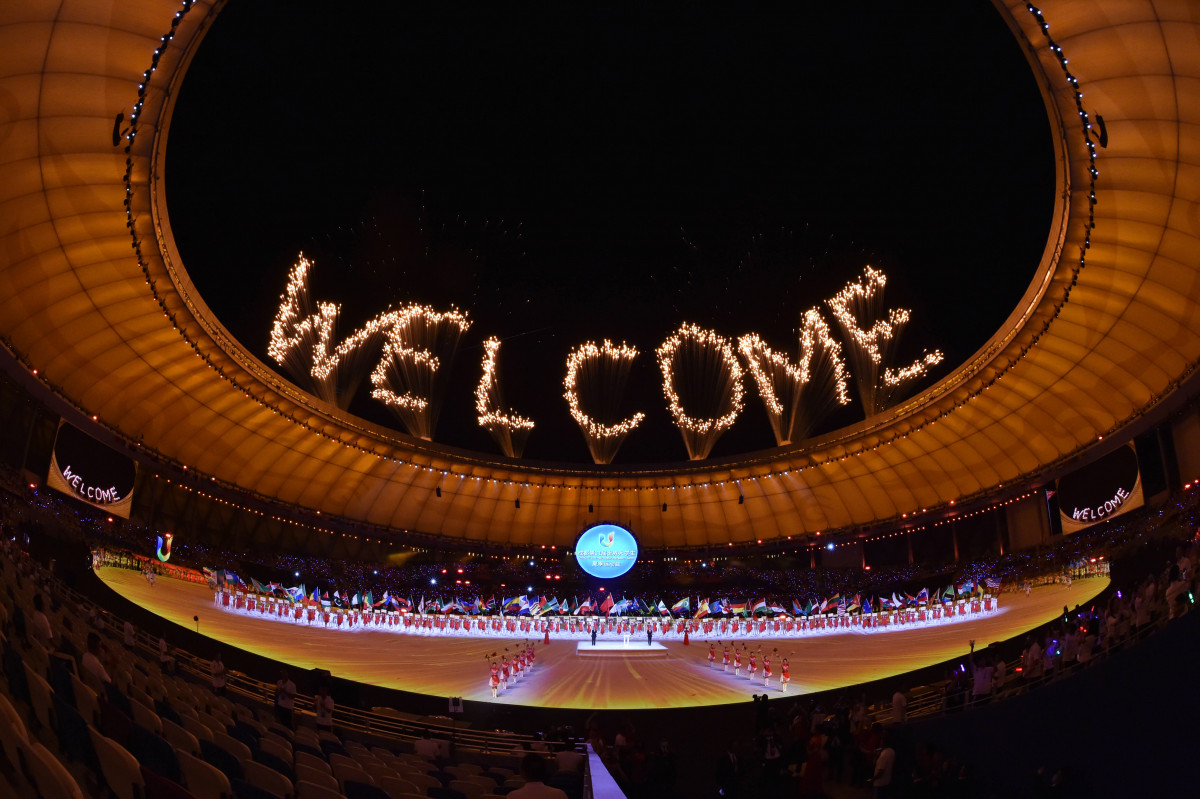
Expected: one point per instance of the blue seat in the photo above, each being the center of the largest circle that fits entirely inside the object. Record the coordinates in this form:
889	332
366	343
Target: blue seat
273	761
14	672
73	737
223	761
363	790
437	792
244	790
154	753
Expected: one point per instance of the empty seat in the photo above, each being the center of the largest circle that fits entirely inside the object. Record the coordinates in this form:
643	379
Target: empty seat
364	790
471	790
119	768
308	790
144	715
180	738
41	697
313	762
316	776
268	779
203	780
49	776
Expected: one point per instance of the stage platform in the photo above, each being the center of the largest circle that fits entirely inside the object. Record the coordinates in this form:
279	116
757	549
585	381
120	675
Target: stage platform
635	649
458	665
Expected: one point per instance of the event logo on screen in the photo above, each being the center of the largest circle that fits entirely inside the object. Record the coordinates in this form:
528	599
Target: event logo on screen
606	551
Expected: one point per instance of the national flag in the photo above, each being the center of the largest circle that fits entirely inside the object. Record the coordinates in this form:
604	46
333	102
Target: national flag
512	604
841	606
716	606
854	604
298	593
993	583
778	610
586	606
491	603
622	606
866	605
209	573
524	605
682	606
909	599
967	588
259	587
230	577
923	596
798	609
607	604
885	603
948	594
702	610
662	608
831	603
896	603
759	607
738	608
368	600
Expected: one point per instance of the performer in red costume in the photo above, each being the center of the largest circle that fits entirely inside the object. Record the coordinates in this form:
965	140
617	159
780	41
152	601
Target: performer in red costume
725	660
712	654
766	669
737	662
494	680
785	676
753	670
504	673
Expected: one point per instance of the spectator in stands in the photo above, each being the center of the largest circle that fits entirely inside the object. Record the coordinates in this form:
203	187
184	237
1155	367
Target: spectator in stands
729	771
93	669
323	706
166	661
885	765
285	699
130	638
899	706
981	676
533	769
41	624
1031	660
217	670
426	747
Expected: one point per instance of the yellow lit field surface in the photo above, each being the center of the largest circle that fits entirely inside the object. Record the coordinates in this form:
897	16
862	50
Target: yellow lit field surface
458	666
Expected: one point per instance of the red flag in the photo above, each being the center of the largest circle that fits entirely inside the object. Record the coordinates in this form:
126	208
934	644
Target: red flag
607	604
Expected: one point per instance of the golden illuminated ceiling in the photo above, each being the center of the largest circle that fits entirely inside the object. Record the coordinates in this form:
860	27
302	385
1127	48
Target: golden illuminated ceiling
1086	352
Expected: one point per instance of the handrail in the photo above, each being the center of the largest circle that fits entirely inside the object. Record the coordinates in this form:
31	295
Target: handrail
254	691
933	697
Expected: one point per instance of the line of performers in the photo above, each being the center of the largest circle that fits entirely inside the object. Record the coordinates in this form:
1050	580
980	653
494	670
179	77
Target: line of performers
505	673
785	670
584	626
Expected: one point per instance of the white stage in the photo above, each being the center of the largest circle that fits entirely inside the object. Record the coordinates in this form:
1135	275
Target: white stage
610	649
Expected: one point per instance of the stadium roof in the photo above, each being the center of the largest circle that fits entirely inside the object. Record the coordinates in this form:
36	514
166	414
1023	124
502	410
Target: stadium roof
93	294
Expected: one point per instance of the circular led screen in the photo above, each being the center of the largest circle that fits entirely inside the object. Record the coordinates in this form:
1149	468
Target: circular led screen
606	551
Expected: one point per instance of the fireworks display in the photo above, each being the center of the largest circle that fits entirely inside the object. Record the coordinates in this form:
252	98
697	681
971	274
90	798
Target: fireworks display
871	349
411	376
508	429
601	373
701	365
302	336
798	395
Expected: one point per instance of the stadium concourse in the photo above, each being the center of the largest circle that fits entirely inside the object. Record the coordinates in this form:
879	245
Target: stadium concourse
452	665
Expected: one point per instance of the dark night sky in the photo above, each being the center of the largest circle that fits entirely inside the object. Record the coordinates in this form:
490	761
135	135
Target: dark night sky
620	170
